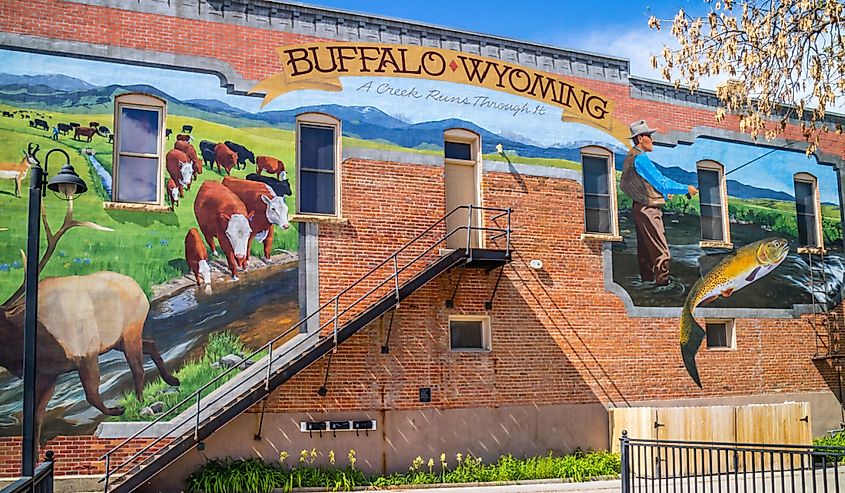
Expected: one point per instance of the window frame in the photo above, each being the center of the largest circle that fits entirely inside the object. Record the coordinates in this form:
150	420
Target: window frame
465	136
314	119
146	102
486	333
604	153
730	333
810	179
726	241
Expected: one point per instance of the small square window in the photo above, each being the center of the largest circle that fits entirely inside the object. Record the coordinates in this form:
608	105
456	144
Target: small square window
720	334
457	150
469	333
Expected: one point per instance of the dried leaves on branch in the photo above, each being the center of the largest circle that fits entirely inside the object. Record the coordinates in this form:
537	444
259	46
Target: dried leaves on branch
782	59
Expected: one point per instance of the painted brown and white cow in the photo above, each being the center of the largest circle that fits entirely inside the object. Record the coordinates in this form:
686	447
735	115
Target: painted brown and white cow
268	209
225	157
271	165
189	149
221	214
172	193
180	168
197	257
183	137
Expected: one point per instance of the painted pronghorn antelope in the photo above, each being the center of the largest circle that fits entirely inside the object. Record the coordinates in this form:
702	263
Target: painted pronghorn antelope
17	171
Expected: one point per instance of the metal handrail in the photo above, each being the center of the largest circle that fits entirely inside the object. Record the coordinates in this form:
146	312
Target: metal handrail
197	395
41	480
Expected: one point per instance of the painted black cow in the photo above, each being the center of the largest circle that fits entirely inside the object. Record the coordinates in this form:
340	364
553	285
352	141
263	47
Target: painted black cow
207	151
281	187
186	129
103	130
167	133
39	123
64	128
243	153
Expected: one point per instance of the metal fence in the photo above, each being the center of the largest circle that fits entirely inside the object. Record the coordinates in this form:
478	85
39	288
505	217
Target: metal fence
710	467
40	482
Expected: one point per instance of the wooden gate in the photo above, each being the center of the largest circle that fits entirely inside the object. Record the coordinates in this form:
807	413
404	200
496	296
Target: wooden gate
786	423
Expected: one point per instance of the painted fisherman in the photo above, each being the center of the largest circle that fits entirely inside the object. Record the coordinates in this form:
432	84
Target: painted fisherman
649	190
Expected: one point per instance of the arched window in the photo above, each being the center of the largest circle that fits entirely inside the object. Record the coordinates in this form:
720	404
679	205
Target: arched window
318	138
600	208
807	209
138	155
713	196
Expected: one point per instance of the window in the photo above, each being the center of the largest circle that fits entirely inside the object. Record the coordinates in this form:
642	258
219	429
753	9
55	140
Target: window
720	334
462	175
807	209
317	165
715	225
469	333
138	156
599	193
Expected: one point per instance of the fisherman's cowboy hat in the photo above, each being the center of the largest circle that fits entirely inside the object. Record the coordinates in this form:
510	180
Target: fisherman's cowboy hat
640	127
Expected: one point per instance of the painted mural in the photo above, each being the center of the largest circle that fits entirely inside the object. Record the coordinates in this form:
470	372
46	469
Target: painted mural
198	296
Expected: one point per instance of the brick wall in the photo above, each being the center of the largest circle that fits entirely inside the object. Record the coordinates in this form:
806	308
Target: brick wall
558	336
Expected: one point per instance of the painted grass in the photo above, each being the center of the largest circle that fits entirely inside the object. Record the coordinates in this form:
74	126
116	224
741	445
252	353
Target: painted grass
255	476
147	246
192	376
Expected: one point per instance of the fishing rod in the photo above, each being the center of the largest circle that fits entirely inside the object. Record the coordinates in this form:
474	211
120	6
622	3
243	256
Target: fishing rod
762	156
755	159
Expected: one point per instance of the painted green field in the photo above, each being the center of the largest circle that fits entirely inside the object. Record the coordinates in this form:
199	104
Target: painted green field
147	246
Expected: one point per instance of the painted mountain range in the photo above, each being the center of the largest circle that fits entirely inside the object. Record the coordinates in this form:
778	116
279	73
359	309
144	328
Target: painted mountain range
60	92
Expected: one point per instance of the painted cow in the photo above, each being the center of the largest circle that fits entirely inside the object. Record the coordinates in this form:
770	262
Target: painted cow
74	124
197	257
221	214
280	187
268	209
94	125
189	149
64	128
243	153
167	132
180	168
39	123
271	165
103	130
172	193
225	157
183	137
187	129
207	151
83	132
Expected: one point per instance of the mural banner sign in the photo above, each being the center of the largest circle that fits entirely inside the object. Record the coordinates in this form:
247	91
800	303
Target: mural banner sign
319	66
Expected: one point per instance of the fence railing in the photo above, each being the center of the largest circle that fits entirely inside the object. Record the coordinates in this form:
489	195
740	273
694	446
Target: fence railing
40	482
685	466
333	310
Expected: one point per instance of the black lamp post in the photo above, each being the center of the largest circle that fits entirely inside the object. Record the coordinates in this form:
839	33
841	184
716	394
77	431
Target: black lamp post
66	185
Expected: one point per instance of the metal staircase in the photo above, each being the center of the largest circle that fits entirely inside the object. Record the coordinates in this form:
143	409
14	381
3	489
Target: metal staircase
292	351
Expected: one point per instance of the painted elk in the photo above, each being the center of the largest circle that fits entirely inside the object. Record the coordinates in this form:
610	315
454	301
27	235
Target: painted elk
79	318
17	171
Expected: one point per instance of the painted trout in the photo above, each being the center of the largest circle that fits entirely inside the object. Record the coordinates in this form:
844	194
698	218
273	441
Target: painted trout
734	272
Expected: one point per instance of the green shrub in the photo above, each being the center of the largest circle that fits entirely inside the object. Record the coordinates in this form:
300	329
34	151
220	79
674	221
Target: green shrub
837	440
255	476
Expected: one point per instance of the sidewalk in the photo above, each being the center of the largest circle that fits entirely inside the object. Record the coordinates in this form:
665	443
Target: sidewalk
525	487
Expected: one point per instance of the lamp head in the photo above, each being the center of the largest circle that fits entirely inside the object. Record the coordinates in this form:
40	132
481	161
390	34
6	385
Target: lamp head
67	184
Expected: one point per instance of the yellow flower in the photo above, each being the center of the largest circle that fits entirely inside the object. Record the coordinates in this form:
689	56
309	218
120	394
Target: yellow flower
313	455
430	463
459	457
443	460
303	455
351	457
283	456
417	463
331	456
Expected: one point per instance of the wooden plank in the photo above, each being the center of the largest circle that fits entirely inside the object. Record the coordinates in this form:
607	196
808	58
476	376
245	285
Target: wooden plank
637	421
697	424
773	424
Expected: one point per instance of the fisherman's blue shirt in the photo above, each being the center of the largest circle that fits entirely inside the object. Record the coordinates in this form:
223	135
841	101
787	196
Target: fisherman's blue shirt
655	178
